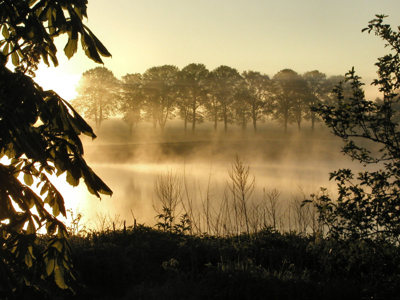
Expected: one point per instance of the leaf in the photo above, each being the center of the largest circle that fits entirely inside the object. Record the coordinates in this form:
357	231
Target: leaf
71	47
15	59
51	227
71	179
31	227
18	222
59	206
94	183
89	47
28	260
79	122
99	45
50	263
55	209
6	49
5	32
28	179
59	278
31	2
58	245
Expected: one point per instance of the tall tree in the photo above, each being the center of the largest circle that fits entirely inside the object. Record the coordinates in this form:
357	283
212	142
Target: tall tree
290	90
240	105
132	99
318	88
212	105
98	94
160	90
193	82
259	95
224	81
39	138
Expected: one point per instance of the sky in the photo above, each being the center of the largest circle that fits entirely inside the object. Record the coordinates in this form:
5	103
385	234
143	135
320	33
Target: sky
260	35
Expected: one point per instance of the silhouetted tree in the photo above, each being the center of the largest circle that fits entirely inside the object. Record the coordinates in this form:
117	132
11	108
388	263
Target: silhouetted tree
368	205
318	88
132	99
290	90
193	83
98	94
224	81
240	105
212	106
39	138
160	90
259	95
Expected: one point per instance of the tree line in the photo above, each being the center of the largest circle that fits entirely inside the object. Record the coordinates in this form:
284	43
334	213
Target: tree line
195	94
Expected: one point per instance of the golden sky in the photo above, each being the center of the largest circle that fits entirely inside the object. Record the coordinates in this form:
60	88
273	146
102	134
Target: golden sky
260	35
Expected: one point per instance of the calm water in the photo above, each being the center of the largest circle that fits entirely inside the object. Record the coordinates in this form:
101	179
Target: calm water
134	186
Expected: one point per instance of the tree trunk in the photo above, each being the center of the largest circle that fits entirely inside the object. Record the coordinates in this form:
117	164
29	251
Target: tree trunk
96	116
298	121
225	119
244	122
130	124
155	116
194	116
100	115
285	121
254	117
162	126
186	121
215	119
312	121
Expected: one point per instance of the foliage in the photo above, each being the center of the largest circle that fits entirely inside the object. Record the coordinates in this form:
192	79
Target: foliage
194	94
368	204
29	28
260	95
169	193
193	81
224	81
97	94
159	85
132	99
39	139
290	90
166	222
318	87
145	263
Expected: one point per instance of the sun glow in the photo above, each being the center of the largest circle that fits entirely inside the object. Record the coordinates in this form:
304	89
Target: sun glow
61	82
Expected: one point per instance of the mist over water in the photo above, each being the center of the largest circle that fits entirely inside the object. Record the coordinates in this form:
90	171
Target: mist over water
297	164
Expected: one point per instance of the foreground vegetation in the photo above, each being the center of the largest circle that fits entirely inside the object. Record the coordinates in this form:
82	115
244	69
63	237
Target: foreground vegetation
144	263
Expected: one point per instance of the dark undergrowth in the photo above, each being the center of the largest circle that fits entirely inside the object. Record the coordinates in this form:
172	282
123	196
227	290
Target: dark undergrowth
144	263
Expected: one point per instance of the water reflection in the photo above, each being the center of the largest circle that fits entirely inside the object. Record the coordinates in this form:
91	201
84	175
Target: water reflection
134	193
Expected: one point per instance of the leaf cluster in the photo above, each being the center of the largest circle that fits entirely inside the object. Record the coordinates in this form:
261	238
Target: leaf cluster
30	27
39	139
368	204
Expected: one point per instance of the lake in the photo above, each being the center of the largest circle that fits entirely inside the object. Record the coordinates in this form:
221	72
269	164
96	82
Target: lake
295	167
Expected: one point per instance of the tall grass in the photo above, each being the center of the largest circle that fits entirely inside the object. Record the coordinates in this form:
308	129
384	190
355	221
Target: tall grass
239	210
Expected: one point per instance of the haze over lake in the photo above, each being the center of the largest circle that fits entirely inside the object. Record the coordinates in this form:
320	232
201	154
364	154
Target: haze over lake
296	164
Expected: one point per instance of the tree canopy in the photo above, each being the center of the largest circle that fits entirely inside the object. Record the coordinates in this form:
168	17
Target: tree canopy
39	139
98	94
368	203
195	94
